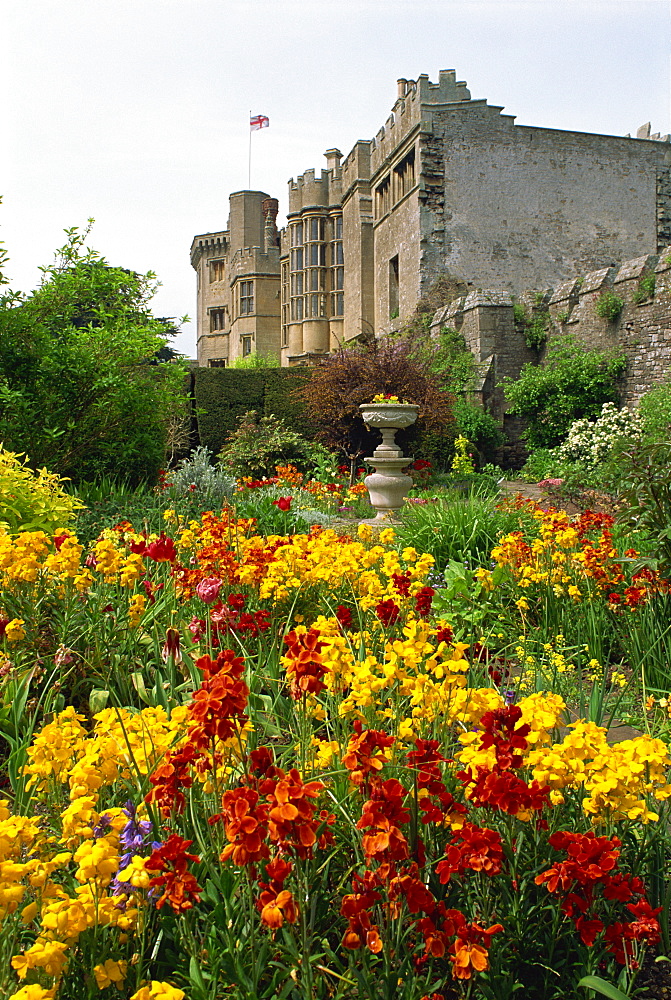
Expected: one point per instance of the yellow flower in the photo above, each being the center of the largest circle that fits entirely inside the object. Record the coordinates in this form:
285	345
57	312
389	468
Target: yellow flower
14	631
387	536
485	579
109	973
34	992
164	991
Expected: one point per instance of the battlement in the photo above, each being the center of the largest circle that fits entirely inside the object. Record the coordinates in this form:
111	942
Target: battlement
414	99
308	191
209	245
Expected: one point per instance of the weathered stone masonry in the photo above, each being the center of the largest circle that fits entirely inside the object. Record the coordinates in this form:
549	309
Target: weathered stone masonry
642	331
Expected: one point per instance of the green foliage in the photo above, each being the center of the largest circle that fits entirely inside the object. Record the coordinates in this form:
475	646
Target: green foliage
87	384
342	381
197	485
265	506
223	395
109	500
32	501
261	443
255	360
456	529
536	326
573	382
479	427
609	306
646	490
646	289
448	357
655	409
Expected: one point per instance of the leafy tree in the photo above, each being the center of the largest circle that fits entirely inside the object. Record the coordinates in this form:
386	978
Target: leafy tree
574	382
340	382
87	381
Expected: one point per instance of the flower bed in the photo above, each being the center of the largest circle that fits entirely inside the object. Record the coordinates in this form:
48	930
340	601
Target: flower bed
297	766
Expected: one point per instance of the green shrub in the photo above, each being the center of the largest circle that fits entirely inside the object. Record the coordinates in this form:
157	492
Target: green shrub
655	409
645	486
646	289
255	360
479	427
259	444
573	382
534	327
32	501
223	395
609	306
197	485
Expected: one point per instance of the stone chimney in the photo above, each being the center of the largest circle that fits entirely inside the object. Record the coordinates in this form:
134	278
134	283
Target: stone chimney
401	83
270	208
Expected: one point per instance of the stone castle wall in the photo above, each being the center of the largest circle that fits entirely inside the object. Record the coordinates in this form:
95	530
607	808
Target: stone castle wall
641	331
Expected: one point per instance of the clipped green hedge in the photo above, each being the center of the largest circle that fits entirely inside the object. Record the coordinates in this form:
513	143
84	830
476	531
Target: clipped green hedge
222	395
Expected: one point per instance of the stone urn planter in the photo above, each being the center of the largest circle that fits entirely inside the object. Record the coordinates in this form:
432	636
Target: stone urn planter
387	486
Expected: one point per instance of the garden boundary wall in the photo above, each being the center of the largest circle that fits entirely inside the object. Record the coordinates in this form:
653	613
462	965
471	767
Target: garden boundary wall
641	331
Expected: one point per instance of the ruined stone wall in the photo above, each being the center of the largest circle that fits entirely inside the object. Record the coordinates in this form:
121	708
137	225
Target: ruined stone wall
641	331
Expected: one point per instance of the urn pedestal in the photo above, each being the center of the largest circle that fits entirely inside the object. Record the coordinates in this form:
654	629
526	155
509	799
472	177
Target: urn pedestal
387	486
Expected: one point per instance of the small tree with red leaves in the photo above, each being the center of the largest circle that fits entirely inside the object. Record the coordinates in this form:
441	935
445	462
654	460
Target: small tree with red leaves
342	381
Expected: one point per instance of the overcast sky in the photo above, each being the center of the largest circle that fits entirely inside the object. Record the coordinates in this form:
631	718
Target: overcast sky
136	112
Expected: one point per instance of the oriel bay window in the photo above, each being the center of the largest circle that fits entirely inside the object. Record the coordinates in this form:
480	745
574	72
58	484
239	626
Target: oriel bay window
246	291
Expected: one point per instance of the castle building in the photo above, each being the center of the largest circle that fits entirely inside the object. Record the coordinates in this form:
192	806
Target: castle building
448	186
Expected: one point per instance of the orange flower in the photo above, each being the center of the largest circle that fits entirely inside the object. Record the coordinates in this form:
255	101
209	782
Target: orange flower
469	950
245	825
275	909
361	757
303	663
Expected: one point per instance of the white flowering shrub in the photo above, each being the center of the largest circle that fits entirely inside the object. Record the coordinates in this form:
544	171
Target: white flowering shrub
592	441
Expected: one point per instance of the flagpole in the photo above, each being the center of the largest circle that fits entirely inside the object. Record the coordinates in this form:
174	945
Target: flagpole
249	176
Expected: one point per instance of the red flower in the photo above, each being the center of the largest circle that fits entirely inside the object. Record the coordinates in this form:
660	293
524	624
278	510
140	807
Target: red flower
355	907
470	949
171	649
387	612
291	816
502	732
402	583
444	635
180	888
162	550
276	908
283	503
344	616
171	778
505	791
245	821
473	848
423	599
150	589
382	814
